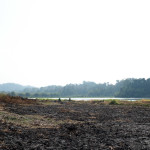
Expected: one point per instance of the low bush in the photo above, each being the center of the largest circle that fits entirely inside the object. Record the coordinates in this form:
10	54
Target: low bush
113	102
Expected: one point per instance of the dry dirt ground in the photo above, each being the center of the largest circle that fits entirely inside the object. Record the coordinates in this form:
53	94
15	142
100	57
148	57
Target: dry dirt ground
74	125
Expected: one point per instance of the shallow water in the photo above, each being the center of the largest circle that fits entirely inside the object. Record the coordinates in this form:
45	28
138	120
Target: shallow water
92	98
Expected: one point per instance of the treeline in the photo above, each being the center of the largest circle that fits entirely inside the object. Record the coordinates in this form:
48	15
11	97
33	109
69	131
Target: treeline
124	88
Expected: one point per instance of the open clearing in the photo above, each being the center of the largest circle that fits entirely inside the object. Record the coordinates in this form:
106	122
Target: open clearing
75	125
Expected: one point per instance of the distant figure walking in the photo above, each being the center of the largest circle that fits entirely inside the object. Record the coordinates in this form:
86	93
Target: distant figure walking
69	99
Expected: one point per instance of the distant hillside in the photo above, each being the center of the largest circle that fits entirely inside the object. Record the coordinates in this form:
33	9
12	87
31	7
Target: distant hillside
128	88
9	87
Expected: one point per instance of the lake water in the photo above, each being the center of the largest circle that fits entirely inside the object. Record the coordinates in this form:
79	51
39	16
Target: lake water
87	99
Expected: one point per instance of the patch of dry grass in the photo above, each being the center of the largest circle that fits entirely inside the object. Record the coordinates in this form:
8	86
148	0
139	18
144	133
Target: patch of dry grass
144	102
32	121
15	100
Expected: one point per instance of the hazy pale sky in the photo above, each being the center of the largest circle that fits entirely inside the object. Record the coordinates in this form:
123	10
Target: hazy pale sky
45	42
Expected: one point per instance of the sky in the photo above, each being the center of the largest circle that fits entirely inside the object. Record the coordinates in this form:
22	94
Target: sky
55	42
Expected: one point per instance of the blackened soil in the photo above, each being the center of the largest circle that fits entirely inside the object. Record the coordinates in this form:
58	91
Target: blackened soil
96	127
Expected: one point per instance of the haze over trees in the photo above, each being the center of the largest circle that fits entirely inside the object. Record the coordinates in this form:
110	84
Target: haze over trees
130	87
9	87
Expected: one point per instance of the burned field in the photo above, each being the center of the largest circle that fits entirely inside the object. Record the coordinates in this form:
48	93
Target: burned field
74	125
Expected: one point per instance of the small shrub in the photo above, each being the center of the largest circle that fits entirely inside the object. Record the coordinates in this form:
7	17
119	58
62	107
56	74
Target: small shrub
113	102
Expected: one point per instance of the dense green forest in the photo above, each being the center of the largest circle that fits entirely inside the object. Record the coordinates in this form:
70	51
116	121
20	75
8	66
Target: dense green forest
124	88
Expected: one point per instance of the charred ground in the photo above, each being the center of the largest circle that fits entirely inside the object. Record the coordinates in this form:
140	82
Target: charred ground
74	125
